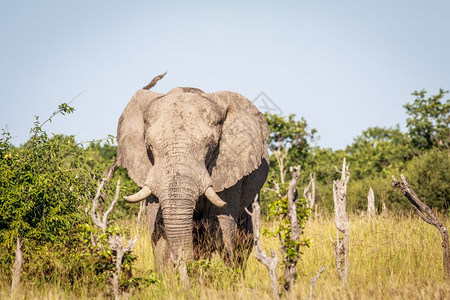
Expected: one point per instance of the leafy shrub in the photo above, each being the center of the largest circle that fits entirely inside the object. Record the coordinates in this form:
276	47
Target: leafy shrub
383	192
429	176
44	188
278	209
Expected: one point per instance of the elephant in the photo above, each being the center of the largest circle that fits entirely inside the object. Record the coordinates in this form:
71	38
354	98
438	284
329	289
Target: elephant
199	158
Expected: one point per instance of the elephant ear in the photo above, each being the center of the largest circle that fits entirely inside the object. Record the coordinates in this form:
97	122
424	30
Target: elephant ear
131	150
242	146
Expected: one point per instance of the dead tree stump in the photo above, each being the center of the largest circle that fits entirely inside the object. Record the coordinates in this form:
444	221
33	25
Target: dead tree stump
290	272
428	216
340	219
17	269
371	204
309	194
269	262
114	241
313	282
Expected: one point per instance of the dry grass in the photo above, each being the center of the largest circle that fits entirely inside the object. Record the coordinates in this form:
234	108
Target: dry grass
395	257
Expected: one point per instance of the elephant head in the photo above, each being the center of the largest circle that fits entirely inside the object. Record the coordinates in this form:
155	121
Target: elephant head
185	144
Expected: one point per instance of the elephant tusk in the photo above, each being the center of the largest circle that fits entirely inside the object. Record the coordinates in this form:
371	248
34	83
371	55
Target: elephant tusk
139	196
214	198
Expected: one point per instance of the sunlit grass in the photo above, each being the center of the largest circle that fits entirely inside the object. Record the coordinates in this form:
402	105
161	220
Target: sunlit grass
394	257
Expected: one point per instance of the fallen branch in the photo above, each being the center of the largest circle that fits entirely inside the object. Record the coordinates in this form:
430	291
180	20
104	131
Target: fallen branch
428	216
269	262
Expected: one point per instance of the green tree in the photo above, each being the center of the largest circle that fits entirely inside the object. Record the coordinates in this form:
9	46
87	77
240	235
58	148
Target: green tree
289	142
322	162
429	120
378	151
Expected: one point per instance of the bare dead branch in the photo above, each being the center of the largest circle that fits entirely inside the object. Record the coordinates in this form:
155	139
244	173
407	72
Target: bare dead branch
17	269
111	206
276	188
309	193
428	216
313	282
281	156
269	262
154	81
103	183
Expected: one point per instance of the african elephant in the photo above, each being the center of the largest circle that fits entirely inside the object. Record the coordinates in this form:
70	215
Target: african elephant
198	157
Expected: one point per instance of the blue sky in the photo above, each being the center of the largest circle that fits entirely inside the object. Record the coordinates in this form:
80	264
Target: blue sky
342	65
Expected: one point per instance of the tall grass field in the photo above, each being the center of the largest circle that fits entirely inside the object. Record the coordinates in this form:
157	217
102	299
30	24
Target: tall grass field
391	257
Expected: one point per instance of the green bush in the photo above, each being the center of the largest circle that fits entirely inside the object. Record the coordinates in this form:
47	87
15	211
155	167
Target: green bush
429	176
358	190
44	188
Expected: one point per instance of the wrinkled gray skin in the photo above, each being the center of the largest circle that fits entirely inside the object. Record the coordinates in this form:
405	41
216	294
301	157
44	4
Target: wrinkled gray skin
178	145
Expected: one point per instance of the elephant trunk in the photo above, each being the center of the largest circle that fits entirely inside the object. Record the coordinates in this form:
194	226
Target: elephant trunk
178	198
178	228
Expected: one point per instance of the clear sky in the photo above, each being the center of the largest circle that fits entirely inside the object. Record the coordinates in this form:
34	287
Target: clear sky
342	65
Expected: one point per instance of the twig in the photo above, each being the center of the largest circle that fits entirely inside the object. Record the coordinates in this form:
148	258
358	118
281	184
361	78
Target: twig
59	110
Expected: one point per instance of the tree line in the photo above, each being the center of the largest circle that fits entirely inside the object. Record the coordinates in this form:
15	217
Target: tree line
421	153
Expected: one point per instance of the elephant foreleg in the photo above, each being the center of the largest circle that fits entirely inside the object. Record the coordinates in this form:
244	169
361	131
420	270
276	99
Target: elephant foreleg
227	218
228	229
